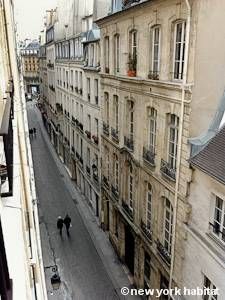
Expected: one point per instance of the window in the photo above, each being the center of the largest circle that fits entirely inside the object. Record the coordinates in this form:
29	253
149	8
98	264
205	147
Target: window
88	89
117	53
76	79
96	91
131	120
155	52
209	285
71	79
116	112
179	49
107	108
88	157
81	147
96	127
91	55
133	50
168	226
149	207
147	270
106	54
173	140
116	218
219	218
152	129
130	188
81	82
89	122
107	164
116	172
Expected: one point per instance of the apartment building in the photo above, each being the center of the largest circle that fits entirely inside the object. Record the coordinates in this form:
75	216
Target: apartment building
43	69
161	82
30	66
21	267
204	245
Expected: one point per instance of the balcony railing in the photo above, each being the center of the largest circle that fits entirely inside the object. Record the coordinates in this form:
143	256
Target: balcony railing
163	252
147	232
105	128
167	170
95	139
88	170
115	134
115	192
95	178
154	75
129	143
88	134
81	126
105	181
149	156
128	211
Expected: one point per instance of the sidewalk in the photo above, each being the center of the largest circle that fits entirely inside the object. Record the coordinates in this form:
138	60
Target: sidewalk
116	271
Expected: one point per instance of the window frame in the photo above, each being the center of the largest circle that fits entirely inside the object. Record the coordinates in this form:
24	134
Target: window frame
153	44
152	129
182	43
149	209
172	155
169	230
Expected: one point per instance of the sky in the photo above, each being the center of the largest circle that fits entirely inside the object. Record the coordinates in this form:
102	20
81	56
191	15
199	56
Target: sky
29	16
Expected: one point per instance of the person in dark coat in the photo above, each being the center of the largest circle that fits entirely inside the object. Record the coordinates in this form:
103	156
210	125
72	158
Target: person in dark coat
60	224
67	222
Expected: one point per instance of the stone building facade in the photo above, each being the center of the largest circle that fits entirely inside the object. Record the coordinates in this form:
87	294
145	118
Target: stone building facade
152	90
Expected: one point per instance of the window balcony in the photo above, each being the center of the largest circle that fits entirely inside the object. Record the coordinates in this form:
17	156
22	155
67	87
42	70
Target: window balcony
149	156
59	108
167	171
106	128
163	252
147	232
129	143
154	75
115	134
88	134
115	192
106	70
105	181
128	211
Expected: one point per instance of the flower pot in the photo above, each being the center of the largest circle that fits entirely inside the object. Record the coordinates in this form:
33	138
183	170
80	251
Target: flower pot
131	73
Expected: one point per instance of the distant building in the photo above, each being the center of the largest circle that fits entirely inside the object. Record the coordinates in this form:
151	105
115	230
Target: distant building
30	66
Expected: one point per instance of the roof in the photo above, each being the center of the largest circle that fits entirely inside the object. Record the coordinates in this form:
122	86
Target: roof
211	159
34	45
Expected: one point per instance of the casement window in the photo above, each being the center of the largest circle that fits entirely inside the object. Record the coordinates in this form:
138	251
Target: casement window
89	122
116	53
106	54
156	35
107	163
168	225
76	78
179	49
131	187
96	127
173	140
107	108
81	80
152	129
207	284
88	89
81	113
219	218
71	79
147	270
88	157
149	207
116	172
133	50
116	112
131	120
96	91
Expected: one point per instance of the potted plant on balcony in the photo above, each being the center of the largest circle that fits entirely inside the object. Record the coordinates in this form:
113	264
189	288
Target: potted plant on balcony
132	65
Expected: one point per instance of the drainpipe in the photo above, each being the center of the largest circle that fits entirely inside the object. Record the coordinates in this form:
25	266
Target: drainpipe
184	85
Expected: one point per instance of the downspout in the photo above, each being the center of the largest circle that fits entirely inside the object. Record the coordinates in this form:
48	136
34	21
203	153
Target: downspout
184	85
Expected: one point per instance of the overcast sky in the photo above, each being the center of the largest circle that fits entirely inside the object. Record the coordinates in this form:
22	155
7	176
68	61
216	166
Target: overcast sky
29	15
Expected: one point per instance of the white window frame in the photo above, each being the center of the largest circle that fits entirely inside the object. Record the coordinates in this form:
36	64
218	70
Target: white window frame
116	172
106	51
173	126
131	120
152	129
133	43
219	219
168	225
154	46
117	53
149	207
180	59
116	112
211	286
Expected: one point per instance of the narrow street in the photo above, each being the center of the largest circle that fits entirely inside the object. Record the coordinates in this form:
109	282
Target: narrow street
82	271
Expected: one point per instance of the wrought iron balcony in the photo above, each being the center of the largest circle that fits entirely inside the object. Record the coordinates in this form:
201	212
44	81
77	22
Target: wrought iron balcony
105	128
127	3
95	139
115	134
81	126
147	232
88	134
105	181
167	170
163	252
115	192
154	75
149	156
129	143
128	211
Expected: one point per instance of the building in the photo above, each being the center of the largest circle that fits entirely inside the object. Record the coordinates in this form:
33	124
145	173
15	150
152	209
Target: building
21	267
30	67
204	250
160	77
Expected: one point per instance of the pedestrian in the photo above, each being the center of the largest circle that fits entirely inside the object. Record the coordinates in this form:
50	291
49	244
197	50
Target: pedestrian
67	222
34	132
31	133
60	224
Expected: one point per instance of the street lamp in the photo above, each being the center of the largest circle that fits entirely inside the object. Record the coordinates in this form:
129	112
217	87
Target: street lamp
55	279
